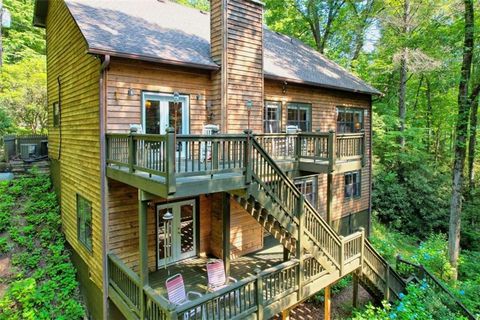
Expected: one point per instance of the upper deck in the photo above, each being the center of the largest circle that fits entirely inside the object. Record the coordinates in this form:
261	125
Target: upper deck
187	165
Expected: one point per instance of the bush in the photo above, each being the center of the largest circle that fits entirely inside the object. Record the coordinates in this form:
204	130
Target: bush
45	286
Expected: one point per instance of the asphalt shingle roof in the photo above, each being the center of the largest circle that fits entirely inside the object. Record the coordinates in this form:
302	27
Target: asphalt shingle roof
164	31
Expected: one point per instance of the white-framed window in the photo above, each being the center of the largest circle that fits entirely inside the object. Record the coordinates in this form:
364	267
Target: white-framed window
272	117
84	222
300	115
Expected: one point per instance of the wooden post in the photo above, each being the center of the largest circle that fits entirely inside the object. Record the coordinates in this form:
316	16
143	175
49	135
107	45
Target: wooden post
327	310
330	192
259	287
300	245
226	231
342	255
362	248
286	314
170	160
248	156
364	148
355	290
387	283
143	249
286	254
131	149
332	150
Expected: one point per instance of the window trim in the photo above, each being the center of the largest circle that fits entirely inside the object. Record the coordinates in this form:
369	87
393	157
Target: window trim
279	113
354	110
83	242
359	183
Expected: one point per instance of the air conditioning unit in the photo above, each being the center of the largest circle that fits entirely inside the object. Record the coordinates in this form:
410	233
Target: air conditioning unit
27	150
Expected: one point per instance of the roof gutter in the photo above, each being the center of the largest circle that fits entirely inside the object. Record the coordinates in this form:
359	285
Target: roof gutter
152	59
103	179
315	84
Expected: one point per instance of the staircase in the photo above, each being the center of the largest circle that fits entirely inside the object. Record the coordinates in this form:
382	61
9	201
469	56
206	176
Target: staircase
275	202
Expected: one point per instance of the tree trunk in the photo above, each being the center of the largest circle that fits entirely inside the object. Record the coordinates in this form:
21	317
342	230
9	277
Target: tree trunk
402	107
461	139
428	93
472	145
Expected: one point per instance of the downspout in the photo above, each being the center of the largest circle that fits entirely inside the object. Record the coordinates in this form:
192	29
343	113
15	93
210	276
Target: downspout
59	82
103	180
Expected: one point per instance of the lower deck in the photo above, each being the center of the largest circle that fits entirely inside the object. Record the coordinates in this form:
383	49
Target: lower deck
194	270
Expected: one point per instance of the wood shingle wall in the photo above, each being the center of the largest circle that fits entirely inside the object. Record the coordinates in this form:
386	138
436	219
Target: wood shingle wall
78	152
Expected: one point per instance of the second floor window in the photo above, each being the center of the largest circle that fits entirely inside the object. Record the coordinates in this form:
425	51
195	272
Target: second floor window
300	115
271	117
84	221
349	120
352	184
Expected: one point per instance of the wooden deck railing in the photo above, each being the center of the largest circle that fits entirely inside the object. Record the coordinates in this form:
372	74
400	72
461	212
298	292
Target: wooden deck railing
420	273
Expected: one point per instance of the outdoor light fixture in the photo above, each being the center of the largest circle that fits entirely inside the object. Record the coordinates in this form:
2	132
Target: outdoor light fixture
284	87
176	96
249	105
131	92
167	226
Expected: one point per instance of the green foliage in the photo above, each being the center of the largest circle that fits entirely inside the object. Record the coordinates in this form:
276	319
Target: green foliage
22	39
45	286
420	302
203	5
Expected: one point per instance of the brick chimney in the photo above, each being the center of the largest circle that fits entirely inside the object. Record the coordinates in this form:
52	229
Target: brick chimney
237	46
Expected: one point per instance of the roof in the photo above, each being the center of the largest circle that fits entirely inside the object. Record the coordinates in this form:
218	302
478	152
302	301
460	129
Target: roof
164	31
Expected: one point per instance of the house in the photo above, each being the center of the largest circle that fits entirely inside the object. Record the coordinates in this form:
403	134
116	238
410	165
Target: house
149	189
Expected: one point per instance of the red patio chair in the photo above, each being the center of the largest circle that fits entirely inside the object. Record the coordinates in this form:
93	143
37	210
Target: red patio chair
217	278
177	294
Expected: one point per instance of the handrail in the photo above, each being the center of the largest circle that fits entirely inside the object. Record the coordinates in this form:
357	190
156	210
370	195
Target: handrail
427	274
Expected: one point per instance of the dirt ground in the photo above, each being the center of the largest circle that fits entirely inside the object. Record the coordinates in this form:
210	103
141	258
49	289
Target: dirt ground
341	306
5	273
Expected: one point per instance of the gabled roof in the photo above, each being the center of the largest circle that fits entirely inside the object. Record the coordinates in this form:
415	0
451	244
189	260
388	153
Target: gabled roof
163	31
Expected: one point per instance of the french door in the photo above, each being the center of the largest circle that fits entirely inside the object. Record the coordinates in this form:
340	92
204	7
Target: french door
176	238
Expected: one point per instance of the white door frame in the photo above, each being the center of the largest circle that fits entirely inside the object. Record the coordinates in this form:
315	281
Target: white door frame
176	244
164	98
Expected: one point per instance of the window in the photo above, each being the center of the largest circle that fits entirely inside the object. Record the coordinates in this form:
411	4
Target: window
349	120
84	221
272	116
56	114
308	186
352	184
300	115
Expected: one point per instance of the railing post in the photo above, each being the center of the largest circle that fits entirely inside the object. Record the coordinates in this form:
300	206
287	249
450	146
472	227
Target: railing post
332	150
298	146
362	248
300	244
131	149
259	287
248	159
214	155
364	148
171	150
387	283
342	255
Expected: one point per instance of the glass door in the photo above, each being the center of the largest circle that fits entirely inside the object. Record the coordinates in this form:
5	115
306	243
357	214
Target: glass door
176	237
160	111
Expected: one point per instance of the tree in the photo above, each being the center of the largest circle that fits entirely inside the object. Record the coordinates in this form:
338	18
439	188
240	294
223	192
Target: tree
24	93
461	131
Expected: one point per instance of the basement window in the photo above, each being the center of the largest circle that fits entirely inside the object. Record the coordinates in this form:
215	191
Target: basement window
352	184
84	222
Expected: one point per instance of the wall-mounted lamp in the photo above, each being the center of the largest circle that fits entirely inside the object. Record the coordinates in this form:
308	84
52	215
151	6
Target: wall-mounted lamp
131	92
284	87
199	97
210	114
176	96
249	105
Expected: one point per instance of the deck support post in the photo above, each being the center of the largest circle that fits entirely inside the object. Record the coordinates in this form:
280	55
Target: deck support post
143	249
300	245
387	283
286	314
259	288
327	310
226	231
171	153
247	154
332	155
329	197
355	290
